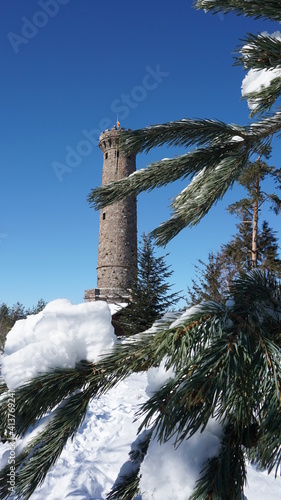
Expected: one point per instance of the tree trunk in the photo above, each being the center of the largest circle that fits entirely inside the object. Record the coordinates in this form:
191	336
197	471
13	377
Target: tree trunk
255	225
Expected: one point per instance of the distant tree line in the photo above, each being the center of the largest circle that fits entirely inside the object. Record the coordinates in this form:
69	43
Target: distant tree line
9	315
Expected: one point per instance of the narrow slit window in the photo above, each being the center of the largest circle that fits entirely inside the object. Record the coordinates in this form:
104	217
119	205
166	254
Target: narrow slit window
103	216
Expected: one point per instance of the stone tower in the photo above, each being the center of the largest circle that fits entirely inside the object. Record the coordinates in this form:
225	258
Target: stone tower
117	248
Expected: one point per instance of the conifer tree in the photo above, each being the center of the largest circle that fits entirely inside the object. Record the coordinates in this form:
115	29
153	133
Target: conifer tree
248	209
5	323
226	357
214	277
269	251
209	282
236	254
149	292
9	315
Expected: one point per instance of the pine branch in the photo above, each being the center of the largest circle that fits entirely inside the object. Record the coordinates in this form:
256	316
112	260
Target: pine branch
260	52
198	198
263	130
3	386
262	100
267	454
42	452
254	290
235	378
43	393
128	488
185	132
161	173
229	370
137	354
157	174
127	484
193	393
224	475
256	8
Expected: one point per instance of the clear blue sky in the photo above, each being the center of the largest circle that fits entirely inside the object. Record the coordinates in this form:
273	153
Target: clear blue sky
67	68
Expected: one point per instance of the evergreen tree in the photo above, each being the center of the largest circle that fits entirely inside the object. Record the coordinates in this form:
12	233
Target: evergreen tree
9	315
226	357
236	254
214	277
36	309
248	208
149	293
17	312
5	323
209	282
268	250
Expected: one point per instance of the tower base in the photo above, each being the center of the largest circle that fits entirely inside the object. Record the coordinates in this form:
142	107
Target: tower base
110	295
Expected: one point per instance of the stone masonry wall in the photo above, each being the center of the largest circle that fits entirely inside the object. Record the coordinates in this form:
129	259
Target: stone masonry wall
117	248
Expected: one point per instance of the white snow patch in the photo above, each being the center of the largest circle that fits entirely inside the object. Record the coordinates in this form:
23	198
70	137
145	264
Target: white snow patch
57	337
177	469
256	79
157	377
237	138
187	314
114	308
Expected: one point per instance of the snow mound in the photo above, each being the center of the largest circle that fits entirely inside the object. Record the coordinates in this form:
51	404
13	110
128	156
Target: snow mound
57	337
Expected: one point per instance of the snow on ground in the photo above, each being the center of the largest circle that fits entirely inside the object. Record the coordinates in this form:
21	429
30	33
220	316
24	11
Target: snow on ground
90	464
178	468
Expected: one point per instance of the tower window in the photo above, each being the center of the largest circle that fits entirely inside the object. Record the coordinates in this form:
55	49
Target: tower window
106	156
103	216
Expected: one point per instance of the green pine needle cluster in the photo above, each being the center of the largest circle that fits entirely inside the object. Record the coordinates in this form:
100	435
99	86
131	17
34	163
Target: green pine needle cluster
260	52
257	8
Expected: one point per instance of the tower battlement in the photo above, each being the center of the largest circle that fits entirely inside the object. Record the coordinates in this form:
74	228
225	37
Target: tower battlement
110	138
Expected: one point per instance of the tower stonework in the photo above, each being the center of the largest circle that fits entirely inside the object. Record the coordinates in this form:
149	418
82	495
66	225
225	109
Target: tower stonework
117	250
